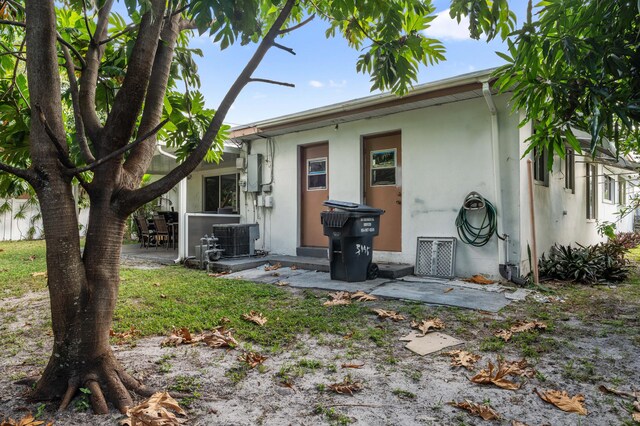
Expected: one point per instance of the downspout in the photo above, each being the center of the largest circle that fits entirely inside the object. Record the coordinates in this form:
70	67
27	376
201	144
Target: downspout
182	211
495	150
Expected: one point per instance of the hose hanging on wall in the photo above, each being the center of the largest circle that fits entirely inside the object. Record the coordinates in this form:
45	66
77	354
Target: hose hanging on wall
476	236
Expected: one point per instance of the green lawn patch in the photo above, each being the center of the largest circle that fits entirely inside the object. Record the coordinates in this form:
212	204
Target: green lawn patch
19	260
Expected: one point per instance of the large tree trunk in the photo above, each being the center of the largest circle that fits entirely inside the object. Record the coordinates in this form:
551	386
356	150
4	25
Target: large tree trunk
82	305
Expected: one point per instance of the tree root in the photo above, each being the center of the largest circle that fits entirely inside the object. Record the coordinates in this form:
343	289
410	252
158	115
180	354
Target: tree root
106	381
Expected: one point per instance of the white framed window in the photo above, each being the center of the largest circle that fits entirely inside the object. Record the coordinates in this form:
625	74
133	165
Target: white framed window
622	191
221	191
316	174
540	169
608	189
570	171
591	192
383	167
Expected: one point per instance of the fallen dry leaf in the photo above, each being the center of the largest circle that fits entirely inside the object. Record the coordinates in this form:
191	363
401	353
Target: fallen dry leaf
361	296
38	274
520	327
517	423
338	298
425	326
392	315
463	359
122	337
479	279
219	274
219	338
479	410
346	386
159	410
255	317
294	267
252	359
636	415
562	400
31	258
352	365
156	284
273	267
632	395
282	283
448	290
28	420
497	377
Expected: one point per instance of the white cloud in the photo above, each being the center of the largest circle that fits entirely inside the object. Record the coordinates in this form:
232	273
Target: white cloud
446	28
316	83
338	84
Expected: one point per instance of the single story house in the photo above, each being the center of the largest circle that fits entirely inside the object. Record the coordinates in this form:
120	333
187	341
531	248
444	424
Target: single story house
417	157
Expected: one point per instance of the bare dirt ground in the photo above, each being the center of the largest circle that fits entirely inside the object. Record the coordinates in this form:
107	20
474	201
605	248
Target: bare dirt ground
580	351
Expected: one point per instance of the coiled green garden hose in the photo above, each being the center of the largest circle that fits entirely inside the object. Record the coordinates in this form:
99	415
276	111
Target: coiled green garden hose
476	236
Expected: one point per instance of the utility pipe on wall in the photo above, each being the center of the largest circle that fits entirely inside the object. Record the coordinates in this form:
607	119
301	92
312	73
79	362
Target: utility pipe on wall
534	249
182	210
495	151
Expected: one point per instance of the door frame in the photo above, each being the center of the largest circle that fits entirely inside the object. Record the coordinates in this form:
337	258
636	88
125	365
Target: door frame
299	150
363	181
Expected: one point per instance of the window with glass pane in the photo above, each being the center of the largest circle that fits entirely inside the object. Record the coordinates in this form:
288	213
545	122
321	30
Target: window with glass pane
622	191
316	174
220	191
540	169
383	167
608	189
570	171
591	177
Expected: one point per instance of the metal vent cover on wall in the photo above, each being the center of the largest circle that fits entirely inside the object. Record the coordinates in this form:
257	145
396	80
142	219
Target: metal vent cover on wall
436	257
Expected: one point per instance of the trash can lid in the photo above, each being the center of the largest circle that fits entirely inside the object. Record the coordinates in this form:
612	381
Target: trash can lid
352	207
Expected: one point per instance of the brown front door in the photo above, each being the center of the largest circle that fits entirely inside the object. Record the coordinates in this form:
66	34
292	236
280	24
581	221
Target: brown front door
314	185
382	187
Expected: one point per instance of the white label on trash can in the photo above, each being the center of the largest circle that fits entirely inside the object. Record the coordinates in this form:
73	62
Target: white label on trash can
362	249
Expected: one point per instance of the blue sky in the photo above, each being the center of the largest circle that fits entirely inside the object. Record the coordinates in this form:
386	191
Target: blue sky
323	70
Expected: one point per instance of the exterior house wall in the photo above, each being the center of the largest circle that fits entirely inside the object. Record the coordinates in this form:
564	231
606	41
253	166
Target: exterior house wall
561	214
446	152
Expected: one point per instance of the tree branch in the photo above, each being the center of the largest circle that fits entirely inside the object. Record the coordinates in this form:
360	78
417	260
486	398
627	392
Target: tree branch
285	48
62	153
264	80
295	27
89	79
129	99
25	174
120	151
129	200
86	19
87	155
128	29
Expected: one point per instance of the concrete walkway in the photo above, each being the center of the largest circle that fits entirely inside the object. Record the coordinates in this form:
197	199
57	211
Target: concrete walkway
489	298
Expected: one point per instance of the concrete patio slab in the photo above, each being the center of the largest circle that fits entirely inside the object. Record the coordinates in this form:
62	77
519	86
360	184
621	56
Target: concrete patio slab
440	293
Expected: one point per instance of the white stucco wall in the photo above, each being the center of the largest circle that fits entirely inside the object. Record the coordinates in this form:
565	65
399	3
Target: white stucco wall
446	153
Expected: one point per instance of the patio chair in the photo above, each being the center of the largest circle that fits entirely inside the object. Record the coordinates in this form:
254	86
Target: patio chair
147	236
162	231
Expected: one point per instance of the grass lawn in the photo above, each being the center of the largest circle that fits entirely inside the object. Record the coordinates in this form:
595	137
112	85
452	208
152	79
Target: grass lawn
592	337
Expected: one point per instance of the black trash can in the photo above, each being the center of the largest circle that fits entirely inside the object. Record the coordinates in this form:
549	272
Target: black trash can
351	228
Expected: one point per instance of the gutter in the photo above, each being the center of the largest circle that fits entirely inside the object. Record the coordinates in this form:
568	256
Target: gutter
495	150
348	106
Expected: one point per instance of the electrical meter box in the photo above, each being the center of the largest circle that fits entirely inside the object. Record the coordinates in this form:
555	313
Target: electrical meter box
254	172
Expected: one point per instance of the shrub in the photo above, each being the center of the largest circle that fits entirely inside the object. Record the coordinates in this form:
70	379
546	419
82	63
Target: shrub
585	264
628	240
